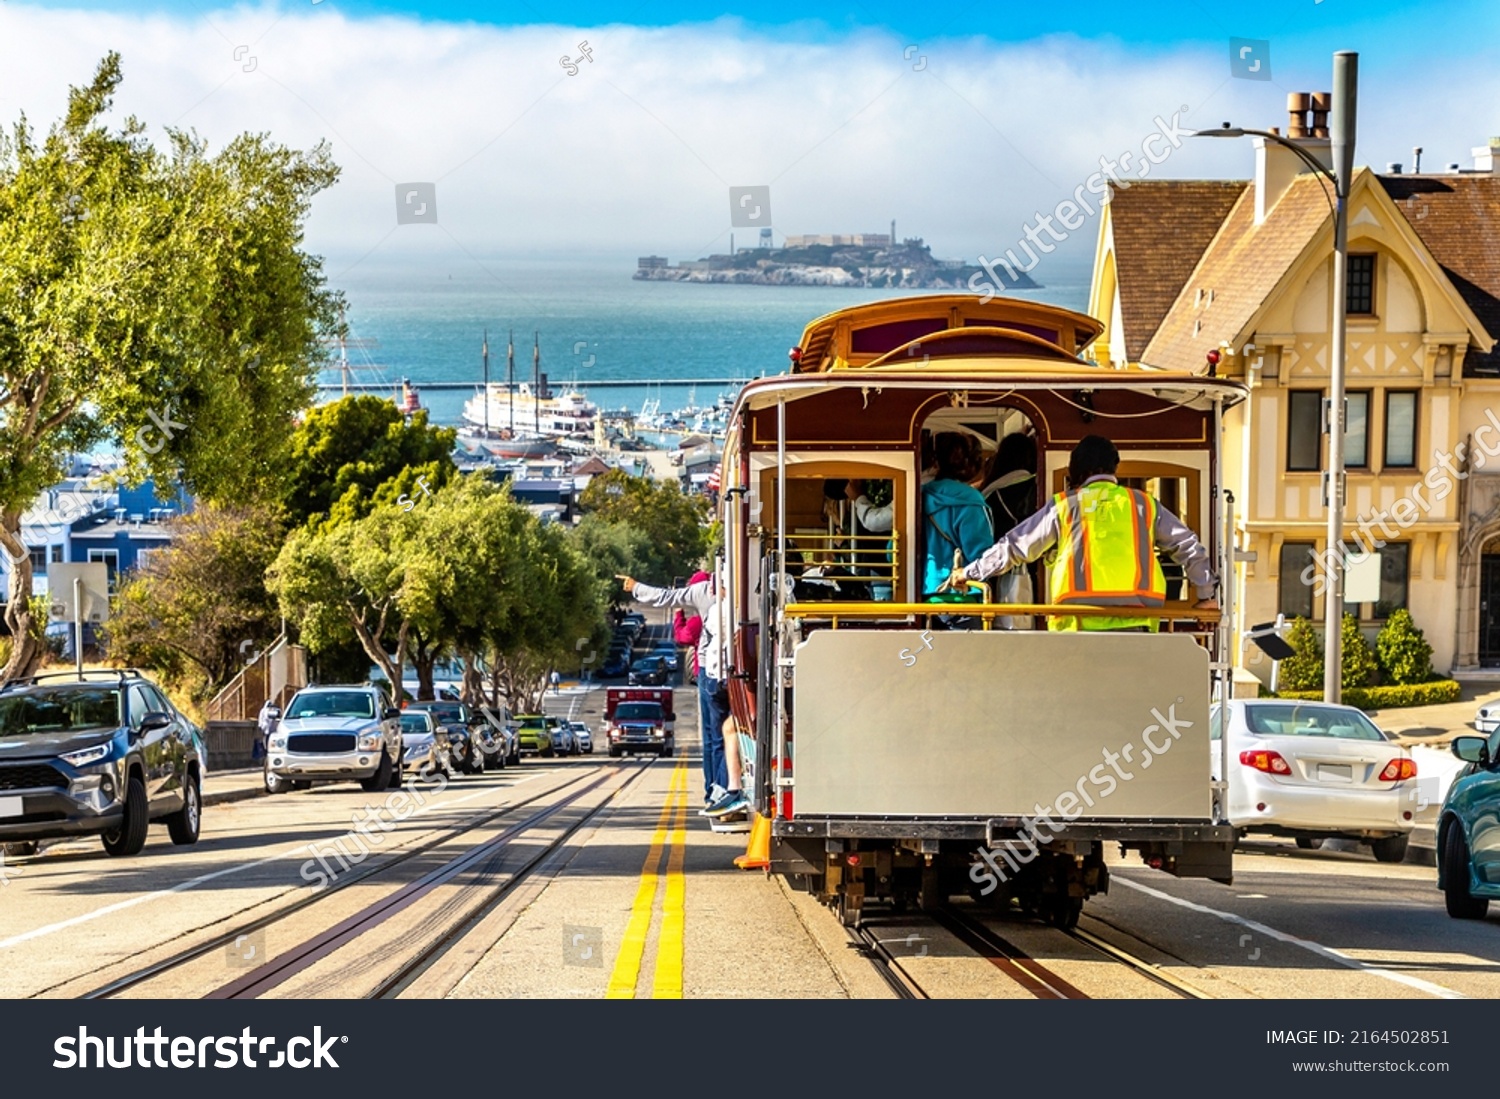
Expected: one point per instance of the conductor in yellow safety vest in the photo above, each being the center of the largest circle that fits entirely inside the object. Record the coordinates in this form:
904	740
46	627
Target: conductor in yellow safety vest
1104	538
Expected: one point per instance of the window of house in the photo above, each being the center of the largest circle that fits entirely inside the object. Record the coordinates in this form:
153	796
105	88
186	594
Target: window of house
1304	431
1401	428
111	560
38	555
1295	594
57	555
1359	287
1357	429
1394	559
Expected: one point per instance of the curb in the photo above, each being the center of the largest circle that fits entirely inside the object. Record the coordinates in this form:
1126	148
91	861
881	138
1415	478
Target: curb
225	796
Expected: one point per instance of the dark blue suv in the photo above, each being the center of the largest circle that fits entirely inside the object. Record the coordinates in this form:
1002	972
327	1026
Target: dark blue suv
102	753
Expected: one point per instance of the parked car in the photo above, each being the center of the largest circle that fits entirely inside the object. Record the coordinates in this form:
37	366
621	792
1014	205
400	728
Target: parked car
424	745
649	671
582	735
336	734
615	665
563	741
475	743
99	754
1468	830
1314	770
1487	720
534	735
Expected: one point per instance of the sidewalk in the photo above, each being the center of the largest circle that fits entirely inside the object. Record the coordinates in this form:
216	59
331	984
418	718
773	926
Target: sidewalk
225	786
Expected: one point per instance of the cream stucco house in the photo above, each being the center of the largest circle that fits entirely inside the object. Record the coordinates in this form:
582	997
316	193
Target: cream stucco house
1186	268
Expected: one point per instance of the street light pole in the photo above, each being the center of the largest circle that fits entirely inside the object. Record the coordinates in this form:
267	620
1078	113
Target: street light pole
1341	140
1341	137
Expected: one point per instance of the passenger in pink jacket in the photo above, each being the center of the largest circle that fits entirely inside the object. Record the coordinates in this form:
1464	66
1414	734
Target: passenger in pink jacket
687	631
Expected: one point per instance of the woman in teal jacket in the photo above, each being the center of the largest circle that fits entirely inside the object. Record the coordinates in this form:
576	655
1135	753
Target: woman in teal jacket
957	516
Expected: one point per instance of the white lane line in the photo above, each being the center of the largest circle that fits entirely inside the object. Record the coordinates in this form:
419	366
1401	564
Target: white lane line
1306	944
193	883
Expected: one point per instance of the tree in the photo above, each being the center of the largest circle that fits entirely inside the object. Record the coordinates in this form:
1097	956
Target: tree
1403	651
370	577
352	455
1304	670
201	602
563	614
614	549
1357	667
672	522
158	301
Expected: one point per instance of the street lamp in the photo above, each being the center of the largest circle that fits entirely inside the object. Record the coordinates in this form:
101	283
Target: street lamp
1341	135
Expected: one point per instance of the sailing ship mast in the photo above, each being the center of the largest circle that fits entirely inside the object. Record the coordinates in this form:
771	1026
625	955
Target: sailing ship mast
536	379
486	353
510	379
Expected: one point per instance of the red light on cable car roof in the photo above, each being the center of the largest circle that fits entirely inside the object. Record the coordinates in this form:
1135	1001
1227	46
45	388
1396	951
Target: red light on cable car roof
795	354
1213	358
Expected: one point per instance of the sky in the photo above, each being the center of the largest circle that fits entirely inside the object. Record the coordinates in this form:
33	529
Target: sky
467	131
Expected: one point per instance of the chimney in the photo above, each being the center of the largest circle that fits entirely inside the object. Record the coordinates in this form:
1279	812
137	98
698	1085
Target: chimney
1277	166
1487	157
1416	160
1393	168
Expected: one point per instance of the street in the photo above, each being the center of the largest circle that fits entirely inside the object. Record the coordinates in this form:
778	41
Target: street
591	877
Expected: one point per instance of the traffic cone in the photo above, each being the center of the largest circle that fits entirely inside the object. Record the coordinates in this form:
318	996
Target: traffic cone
757	854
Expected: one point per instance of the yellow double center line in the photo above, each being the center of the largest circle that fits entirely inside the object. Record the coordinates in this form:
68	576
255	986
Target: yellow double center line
670	834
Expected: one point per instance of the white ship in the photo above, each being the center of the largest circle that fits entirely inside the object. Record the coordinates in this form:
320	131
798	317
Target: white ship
520	420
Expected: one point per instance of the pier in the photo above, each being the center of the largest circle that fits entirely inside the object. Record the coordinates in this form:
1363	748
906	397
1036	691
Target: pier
601	383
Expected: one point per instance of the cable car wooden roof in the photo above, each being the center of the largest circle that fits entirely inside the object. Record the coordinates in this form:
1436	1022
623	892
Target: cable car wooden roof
868	335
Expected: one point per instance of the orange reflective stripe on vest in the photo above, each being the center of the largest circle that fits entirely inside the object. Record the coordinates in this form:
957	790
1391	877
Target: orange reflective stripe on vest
1106	548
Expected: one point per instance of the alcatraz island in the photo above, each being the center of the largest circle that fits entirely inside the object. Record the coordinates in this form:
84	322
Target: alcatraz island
853	259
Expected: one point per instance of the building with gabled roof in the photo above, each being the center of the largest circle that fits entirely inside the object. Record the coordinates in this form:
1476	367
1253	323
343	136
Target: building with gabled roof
1245	269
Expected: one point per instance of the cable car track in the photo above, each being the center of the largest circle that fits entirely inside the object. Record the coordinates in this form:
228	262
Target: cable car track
406	893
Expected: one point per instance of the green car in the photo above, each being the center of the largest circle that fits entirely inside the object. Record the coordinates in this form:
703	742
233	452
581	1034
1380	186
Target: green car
1468	831
534	734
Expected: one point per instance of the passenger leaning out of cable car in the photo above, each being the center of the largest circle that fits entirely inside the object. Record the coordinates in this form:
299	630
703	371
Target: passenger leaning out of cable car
1103	536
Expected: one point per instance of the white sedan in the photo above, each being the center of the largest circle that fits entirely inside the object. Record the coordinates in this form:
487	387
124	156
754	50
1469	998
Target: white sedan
1487	720
1311	770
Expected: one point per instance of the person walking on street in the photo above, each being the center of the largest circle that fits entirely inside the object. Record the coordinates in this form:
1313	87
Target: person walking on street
556	681
704	597
1104	536
266	720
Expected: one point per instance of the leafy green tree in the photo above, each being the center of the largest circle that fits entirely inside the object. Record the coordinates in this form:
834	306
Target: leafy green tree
1402	650
672	522
201	602
1304	670
371	577
563	614
156	300
615	549
352	455
1357	664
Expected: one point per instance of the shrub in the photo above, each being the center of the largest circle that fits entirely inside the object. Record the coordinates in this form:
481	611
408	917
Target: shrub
1403	652
1357	666
1389	698
1303	671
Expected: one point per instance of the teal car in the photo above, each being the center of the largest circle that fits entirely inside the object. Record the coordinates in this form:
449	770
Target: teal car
1468	832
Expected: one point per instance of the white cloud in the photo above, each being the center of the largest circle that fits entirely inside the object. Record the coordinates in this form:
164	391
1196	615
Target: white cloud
636	152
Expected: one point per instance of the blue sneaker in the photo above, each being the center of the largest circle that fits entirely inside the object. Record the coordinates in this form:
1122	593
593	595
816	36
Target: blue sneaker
732	801
715	792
